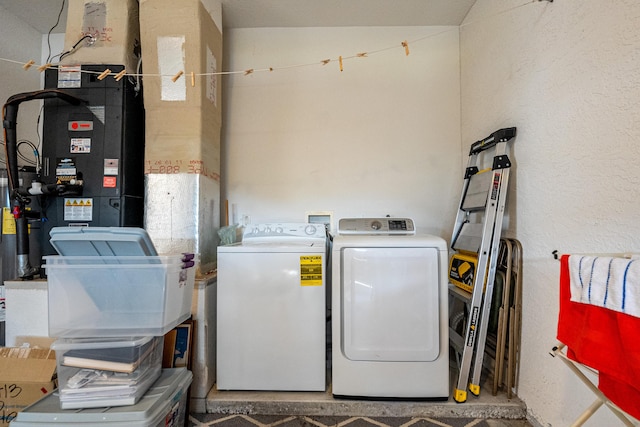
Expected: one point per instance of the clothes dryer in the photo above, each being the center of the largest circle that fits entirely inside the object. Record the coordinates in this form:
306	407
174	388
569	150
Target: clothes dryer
271	309
389	311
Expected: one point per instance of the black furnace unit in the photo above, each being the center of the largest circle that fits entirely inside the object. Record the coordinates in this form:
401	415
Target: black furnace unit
99	143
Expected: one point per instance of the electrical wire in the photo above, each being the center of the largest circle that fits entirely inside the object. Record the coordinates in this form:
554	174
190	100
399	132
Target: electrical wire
2	160
36	154
39	165
137	76
49	33
73	48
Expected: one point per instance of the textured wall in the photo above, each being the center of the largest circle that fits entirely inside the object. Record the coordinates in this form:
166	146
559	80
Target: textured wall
566	74
381	137
20	43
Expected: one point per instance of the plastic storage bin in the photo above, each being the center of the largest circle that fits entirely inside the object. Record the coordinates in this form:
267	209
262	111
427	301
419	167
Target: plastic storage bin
95	372
165	404
117	296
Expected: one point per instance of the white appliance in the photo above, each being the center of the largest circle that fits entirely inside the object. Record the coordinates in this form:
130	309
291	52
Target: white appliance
390	336
271	309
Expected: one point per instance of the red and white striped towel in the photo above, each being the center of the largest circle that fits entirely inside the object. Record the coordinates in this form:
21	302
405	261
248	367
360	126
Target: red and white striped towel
604	339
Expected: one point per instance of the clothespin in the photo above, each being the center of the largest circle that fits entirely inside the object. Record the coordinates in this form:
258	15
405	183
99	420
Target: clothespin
44	67
405	44
325	61
104	74
120	75
249	71
362	55
177	76
28	65
193	79
340	60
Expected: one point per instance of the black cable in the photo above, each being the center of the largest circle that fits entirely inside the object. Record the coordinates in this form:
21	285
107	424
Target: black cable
39	137
34	150
52	28
73	48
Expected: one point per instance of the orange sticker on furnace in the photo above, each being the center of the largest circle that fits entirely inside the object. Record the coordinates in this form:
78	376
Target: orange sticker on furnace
109	182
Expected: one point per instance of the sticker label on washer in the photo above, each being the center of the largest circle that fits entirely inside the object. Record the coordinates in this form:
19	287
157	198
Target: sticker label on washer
311	270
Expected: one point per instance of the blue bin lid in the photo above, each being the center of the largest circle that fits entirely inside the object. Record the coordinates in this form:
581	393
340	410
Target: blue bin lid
101	241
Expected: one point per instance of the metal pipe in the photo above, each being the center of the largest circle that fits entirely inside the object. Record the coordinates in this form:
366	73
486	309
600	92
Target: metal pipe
9	117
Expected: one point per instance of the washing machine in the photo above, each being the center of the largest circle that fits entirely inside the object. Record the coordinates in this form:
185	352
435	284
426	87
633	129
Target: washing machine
271	309
389	311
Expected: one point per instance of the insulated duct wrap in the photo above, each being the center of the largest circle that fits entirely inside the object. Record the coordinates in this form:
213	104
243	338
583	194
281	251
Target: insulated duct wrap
182	214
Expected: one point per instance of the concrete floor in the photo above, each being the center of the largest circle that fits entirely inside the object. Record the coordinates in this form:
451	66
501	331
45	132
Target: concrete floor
299	404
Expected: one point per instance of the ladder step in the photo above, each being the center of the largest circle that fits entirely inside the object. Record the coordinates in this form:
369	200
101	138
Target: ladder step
475	198
469	238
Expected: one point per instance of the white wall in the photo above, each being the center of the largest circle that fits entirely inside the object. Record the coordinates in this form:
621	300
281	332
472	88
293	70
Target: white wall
566	74
382	137
21	43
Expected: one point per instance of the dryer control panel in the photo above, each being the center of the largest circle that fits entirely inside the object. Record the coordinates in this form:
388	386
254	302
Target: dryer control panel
376	226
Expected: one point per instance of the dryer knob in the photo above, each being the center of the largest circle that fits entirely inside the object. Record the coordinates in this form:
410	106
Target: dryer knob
376	225
310	229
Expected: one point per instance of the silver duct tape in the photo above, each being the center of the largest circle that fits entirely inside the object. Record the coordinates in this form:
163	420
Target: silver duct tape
182	214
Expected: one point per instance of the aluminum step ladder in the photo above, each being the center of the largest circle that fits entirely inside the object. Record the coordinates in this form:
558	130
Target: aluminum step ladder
477	230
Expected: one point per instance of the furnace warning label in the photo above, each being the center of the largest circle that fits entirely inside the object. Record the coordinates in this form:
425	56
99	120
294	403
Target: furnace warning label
311	270
69	76
66	170
9	222
78	209
80	145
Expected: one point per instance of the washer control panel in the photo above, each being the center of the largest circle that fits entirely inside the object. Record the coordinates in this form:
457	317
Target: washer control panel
291	230
376	226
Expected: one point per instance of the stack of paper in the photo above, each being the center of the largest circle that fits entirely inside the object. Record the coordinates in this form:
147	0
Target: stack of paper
108	376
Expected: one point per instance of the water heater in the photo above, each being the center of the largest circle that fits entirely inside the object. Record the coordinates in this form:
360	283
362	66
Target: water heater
100	143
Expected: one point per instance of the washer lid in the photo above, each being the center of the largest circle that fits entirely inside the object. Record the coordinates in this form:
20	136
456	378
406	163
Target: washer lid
376	226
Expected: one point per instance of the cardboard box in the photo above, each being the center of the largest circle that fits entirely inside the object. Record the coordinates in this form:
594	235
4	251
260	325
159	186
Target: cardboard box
181	39
203	311
116	30
26	375
181	140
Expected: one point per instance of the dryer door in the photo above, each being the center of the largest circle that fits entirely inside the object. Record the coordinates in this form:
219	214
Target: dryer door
390	304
